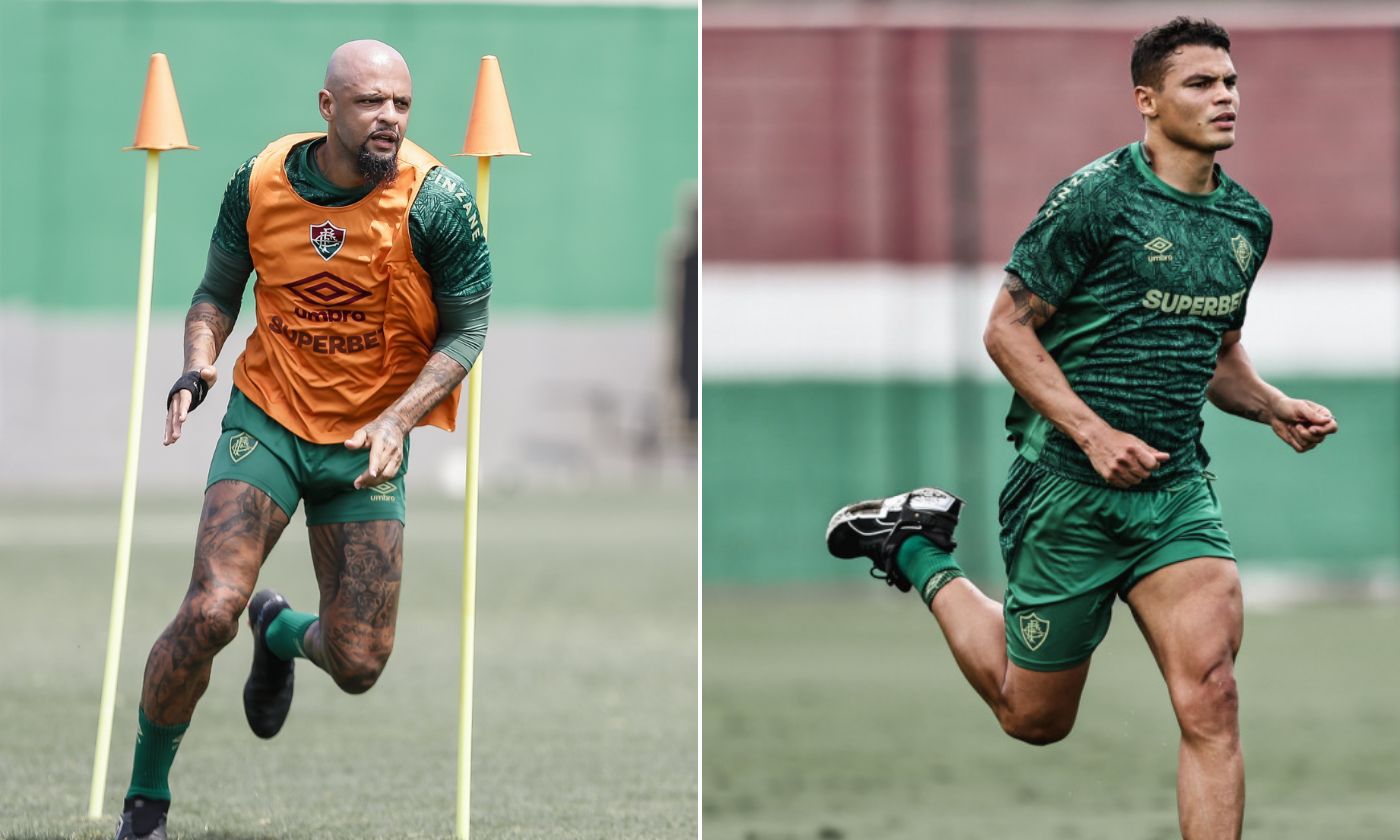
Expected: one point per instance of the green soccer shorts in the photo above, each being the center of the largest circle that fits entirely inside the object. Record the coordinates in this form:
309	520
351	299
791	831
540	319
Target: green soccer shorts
255	449
1071	547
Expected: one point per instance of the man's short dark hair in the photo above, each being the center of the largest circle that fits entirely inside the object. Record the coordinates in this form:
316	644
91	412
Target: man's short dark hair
1155	47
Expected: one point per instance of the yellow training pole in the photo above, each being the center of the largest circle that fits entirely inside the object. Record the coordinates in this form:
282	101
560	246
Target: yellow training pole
464	716
159	128
128	509
490	132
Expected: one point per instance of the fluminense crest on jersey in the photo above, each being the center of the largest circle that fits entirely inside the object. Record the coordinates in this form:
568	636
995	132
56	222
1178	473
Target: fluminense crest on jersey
326	238
1239	246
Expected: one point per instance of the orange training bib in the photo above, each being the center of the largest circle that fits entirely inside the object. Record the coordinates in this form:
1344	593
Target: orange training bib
345	314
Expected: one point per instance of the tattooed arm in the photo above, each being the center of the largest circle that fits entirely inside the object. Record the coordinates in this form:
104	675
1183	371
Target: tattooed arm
384	434
206	329
1237	388
1123	460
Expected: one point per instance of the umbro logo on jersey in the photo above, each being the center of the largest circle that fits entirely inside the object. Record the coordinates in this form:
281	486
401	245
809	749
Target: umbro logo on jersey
1244	255
1159	248
326	289
326	238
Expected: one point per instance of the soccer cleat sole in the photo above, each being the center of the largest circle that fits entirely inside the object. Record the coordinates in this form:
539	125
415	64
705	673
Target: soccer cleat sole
127	831
844	534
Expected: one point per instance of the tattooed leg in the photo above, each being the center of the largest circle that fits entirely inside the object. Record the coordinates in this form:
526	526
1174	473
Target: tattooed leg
358	567
237	529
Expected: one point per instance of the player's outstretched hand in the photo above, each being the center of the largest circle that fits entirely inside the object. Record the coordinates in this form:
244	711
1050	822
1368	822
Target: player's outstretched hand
179	405
1121	459
385	443
1302	424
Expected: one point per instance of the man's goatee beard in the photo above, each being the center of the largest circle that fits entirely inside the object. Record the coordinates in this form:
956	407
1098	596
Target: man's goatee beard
377	169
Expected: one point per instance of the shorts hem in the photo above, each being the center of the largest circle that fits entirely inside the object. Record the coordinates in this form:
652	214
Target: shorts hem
1176	552
339	518
1063	665
256	483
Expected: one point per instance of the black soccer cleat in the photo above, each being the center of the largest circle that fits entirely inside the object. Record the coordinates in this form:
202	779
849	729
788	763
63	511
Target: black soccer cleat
876	528
267	695
142	819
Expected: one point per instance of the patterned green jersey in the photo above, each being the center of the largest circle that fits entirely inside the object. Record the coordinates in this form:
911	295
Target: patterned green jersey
1145	280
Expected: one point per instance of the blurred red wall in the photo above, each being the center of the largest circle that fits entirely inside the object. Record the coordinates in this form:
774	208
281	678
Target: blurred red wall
838	142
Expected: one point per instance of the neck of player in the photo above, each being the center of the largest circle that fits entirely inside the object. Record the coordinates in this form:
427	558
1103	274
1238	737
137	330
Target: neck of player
1189	170
337	166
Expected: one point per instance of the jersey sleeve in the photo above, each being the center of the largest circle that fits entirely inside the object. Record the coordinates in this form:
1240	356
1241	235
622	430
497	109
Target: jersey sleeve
230	261
445	232
1060	244
462	323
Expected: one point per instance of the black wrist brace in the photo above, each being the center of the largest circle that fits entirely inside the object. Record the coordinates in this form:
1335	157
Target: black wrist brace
192	382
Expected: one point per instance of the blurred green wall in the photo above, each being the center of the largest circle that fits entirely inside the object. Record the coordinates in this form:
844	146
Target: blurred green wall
604	97
781	457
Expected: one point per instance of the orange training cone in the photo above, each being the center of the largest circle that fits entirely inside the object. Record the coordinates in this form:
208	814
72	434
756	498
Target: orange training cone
160	128
490	130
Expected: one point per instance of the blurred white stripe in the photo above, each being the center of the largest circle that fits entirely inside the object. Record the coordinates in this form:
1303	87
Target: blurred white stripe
834	321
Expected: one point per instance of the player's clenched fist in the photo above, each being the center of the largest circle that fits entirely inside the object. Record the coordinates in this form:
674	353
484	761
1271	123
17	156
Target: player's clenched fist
1302	424
1121	459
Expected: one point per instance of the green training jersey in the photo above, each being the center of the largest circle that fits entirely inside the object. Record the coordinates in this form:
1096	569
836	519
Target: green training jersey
1145	280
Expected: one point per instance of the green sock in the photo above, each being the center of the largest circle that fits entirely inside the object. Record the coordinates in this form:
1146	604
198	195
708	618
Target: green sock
286	631
927	566
155	752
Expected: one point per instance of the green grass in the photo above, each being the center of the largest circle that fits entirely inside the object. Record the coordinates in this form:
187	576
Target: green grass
585	723
836	712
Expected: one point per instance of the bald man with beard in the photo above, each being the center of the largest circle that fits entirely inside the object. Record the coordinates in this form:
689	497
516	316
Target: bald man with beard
372	279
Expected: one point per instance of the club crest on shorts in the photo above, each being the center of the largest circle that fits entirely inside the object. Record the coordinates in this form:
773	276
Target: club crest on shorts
326	238
1034	630
241	445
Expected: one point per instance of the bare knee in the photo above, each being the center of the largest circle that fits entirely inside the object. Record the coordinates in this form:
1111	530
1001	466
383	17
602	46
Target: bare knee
357	673
209	621
1038	729
1208	707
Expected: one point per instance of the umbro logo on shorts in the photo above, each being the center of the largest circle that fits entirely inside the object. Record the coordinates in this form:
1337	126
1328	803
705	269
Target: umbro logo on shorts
241	445
383	492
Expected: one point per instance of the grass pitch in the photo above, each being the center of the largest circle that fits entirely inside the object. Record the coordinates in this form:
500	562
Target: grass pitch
585	723
836	712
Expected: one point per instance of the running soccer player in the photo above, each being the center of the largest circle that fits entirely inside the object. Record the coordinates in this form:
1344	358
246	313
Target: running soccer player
371	291
1120	316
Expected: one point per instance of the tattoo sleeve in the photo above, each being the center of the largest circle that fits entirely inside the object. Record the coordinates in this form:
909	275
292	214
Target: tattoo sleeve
206	330
440	375
1030	309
